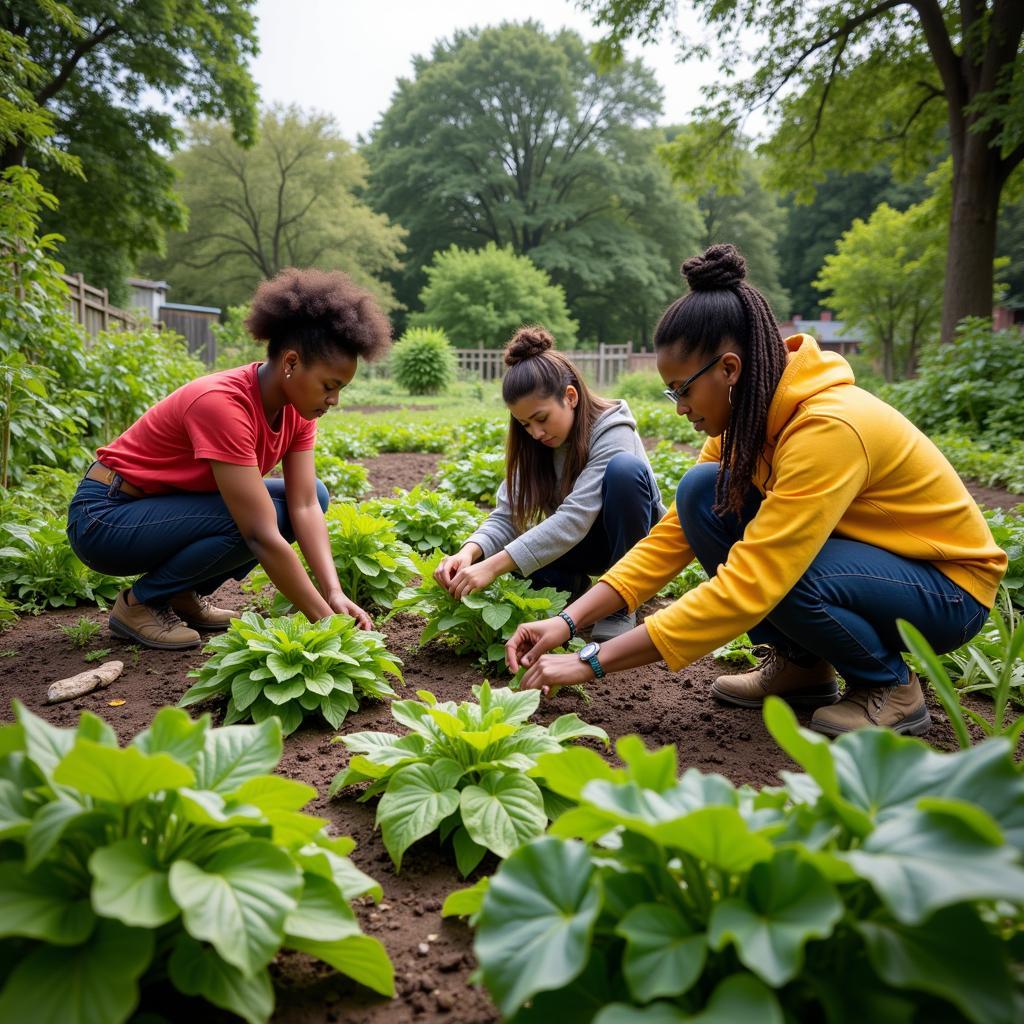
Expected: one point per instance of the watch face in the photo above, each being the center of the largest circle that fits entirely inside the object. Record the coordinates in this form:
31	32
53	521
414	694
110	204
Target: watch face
589	650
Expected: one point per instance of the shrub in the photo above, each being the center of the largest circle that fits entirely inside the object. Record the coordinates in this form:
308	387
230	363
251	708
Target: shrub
640	387
476	477
480	623
692	899
482	296
465	770
427	520
977	381
180	858
423	361
344	481
289	667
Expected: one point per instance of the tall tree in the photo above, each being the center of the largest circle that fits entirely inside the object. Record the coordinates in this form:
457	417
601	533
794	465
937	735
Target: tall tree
290	200
512	136
853	82
110	77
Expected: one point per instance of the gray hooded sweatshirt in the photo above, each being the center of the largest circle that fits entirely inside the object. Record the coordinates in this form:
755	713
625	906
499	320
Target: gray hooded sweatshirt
614	432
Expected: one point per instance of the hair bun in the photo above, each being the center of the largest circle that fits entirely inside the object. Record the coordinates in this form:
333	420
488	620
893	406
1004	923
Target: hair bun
526	343
720	266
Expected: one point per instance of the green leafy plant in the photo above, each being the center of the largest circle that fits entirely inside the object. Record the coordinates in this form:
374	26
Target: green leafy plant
178	858
1008	532
739	651
475	477
97	655
670	464
660	420
692	576
40	570
466	770
288	667
883	884
373	564
81	633
343	480
427	520
480	623
351	442
478	434
641	386
401	437
992	461
999	674
423	361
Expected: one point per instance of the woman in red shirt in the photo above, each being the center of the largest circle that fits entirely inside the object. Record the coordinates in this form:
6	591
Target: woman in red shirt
180	497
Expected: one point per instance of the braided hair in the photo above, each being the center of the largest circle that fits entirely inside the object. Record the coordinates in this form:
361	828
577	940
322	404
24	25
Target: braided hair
721	306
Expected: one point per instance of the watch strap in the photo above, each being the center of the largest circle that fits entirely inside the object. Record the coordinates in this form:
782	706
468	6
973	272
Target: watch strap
596	666
567	619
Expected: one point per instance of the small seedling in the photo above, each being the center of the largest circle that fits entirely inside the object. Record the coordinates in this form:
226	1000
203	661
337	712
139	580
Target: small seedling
97	655
82	632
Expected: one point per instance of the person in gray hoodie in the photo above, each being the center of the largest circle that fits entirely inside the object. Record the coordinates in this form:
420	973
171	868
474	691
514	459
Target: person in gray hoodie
578	492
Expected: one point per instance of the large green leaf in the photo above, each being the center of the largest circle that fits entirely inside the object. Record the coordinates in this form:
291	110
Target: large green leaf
517	705
925	860
952	955
322	914
741	997
121	776
15	811
572	727
45	744
238	901
130	885
234	754
654	769
503	811
418	799
274	793
718	835
42	905
94	983
534	931
173	732
785	903
664	955
50	823
656	1013
569	770
197	970
361	957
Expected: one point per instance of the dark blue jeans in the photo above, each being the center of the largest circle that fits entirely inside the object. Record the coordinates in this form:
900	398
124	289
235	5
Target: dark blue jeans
630	506
845	606
176	542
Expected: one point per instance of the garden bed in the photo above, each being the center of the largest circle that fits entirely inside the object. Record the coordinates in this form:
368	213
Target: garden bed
432	957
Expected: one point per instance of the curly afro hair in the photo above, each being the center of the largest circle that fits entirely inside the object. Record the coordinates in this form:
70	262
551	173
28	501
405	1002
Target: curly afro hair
318	313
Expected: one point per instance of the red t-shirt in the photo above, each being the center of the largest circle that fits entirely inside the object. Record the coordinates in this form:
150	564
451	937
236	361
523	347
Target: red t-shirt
219	417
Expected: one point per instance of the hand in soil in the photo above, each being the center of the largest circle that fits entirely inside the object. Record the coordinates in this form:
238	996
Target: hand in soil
532	639
343	606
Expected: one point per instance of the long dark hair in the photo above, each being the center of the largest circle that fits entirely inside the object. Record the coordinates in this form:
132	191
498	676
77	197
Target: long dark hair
720	306
534	367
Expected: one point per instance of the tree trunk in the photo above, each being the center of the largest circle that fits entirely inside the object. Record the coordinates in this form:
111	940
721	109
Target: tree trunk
888	359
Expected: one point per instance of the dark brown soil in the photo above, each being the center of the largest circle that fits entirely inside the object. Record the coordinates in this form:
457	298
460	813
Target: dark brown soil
399	469
432	957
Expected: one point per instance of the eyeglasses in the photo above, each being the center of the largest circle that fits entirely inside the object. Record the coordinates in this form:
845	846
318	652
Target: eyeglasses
675	395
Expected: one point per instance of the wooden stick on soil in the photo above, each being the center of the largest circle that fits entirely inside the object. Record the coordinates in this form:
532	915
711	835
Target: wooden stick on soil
84	682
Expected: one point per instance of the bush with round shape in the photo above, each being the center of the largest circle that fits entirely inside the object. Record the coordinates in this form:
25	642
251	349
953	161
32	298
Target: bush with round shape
423	361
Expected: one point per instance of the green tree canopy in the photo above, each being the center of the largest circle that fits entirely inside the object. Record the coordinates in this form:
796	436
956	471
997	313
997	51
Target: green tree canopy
885	278
481	297
512	136
110	78
852	84
290	200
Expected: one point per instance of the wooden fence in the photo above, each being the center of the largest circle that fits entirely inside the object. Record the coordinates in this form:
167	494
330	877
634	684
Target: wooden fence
600	367
91	308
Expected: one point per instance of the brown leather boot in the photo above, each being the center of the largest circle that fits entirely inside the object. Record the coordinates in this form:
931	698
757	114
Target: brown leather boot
777	676
150	626
900	708
200	612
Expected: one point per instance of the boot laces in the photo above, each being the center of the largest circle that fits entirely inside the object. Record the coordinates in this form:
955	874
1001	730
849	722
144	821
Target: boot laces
167	617
771	665
871	699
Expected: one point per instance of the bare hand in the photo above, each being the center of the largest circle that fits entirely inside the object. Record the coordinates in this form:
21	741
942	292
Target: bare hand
470	578
341	605
450	566
532	639
552	671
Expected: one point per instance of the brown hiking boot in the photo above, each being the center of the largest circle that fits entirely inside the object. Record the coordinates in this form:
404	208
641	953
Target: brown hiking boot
900	708
777	676
200	612
150	626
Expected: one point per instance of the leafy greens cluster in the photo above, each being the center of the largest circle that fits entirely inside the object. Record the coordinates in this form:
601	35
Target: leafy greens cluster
466	770
289	667
475	477
180	856
427	520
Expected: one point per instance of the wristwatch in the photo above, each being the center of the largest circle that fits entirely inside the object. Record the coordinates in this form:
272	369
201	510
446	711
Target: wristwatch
589	655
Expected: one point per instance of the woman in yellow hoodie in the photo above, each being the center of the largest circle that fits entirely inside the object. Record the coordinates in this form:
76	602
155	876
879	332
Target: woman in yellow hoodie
820	514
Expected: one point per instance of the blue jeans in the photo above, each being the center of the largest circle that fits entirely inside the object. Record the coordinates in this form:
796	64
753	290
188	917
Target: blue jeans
630	506
845	606
176	542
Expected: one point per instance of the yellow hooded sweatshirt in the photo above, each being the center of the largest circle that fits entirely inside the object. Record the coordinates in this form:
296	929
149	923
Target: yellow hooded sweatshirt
837	461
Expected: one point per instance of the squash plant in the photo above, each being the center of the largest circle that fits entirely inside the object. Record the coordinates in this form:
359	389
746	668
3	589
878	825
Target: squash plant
482	622
289	667
180	857
466	770
885	884
427	520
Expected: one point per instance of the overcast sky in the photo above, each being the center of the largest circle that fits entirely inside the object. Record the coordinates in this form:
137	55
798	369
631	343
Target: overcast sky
344	56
